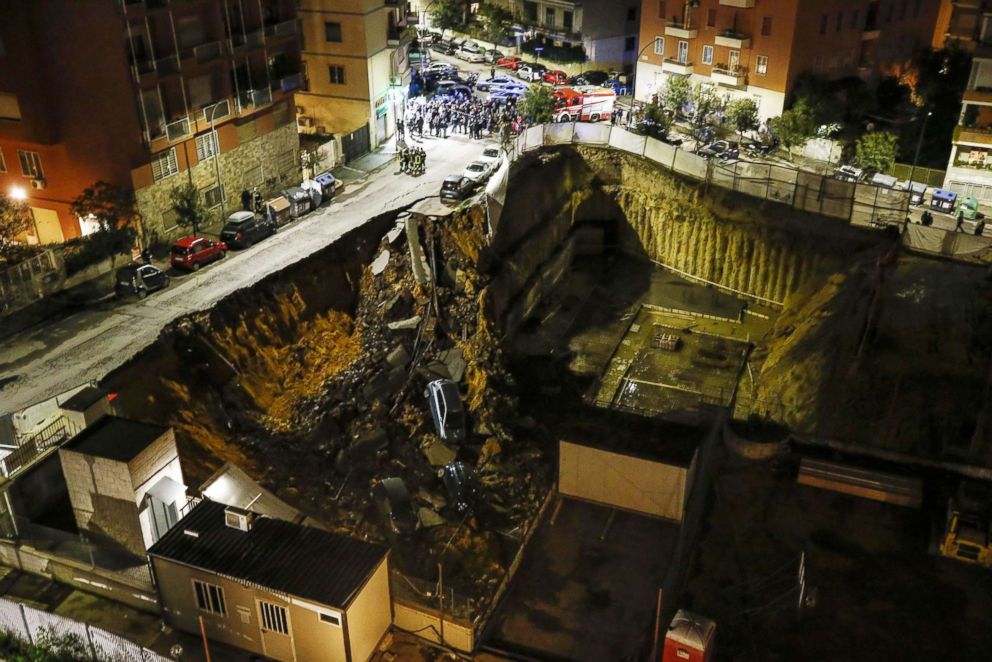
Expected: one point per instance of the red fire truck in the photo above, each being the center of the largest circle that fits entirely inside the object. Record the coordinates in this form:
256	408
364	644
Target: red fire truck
584	103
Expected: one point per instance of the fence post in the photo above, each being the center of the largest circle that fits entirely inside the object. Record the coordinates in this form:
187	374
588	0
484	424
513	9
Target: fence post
89	640
27	628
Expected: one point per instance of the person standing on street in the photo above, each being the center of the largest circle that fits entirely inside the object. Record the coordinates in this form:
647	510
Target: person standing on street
960	226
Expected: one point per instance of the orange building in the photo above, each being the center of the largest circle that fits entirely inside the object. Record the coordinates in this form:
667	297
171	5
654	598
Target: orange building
759	48
144	94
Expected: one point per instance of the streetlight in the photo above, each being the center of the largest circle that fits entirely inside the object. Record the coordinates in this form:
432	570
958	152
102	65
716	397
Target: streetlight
916	158
18	193
216	148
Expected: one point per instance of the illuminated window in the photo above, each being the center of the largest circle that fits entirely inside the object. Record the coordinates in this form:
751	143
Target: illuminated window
707	55
762	65
209	598
659	45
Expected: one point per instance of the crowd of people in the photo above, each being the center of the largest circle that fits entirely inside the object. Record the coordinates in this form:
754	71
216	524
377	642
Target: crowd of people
441	116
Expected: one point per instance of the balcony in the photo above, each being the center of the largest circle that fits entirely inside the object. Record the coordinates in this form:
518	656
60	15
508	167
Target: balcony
168	65
292	82
251	100
981	96
740	4
283	29
728	76
676	67
178	129
208	51
735	40
680	31
972	135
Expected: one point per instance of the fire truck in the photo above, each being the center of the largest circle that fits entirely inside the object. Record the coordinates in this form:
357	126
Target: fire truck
583	103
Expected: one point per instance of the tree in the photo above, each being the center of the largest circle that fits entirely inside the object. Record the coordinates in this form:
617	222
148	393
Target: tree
111	205
311	159
447	14
742	113
15	219
537	105
877	151
495	22
706	103
796	126
655	122
676	94
191	211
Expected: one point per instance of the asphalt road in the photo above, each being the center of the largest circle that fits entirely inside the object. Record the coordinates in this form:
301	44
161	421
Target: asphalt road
49	359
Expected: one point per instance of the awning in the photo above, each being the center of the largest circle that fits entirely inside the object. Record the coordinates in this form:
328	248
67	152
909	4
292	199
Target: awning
278	204
167	491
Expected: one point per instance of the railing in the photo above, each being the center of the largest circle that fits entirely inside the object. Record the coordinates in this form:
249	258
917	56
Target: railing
251	99
216	111
727	70
167	65
209	51
50	436
281	29
292	82
178	129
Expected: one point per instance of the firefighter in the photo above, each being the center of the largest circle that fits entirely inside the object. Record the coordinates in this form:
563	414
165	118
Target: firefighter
404	159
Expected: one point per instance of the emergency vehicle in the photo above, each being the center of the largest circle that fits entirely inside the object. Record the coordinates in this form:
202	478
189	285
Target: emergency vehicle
584	103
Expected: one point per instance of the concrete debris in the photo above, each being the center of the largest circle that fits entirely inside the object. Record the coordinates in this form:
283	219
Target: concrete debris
430	519
410	323
397	230
398	357
436	501
454	361
380	262
434	370
384	385
418	262
438	454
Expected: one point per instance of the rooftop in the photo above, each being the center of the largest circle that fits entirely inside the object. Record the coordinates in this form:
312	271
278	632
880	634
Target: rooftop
115	438
84	399
302	561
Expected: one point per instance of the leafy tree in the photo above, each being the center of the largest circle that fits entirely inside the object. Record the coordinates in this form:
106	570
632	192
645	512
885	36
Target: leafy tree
537	104
877	151
655	122
111	205
676	94
191	210
14	220
796	126
706	103
742	113
448	14
495	22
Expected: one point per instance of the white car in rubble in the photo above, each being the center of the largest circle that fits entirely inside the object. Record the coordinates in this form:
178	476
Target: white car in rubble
477	171
492	155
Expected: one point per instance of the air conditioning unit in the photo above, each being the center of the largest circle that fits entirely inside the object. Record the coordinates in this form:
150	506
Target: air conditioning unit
237	518
38	183
305	121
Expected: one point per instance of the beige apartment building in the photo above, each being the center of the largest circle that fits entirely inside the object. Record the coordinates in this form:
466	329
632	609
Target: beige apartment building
355	53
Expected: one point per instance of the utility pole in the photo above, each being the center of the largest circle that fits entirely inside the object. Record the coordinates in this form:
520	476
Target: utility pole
916	158
216	148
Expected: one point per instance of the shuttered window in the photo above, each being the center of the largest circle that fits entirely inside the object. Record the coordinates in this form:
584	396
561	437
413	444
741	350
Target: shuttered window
165	164
273	617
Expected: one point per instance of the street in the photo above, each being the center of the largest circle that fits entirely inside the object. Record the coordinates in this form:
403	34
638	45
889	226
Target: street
46	360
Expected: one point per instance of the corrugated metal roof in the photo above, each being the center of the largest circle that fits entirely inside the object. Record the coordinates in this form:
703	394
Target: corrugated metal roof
289	558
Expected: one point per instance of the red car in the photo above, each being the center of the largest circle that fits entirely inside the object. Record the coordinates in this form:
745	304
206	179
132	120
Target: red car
510	62
191	253
555	77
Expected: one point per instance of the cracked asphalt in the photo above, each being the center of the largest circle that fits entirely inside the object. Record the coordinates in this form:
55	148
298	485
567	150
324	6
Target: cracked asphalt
48	359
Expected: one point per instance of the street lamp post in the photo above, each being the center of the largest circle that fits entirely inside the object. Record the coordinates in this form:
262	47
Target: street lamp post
916	158
216	147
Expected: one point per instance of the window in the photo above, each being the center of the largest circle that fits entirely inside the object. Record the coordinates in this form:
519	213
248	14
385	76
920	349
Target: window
659	45
332	32
209	598
30	164
170	219
549	16
855	15
840	21
766	26
3	164
213	196
823	24
631	14
333	619
336	74
629	43
9	108
566	20
711	18
206	146
683	52
273	617
165	164
707	55
762	65
661	8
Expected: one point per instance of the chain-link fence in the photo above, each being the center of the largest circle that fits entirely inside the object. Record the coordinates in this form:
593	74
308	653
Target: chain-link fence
33	626
429	594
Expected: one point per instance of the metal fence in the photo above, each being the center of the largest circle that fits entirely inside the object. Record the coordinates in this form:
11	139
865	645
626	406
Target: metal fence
31	280
429	595
50	436
33	626
860	204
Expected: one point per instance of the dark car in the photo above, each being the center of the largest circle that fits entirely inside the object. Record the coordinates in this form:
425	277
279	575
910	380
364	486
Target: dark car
456	188
450	88
243	229
591	78
393	500
723	149
461	486
446	409
191	253
444	47
139	280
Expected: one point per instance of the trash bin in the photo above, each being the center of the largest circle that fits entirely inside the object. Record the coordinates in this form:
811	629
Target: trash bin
299	200
943	200
278	209
329	184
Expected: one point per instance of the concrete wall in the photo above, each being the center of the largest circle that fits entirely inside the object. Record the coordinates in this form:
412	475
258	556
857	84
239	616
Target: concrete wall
369	615
622	481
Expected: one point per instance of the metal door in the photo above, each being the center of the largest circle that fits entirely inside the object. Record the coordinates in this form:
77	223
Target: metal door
276	631
356	144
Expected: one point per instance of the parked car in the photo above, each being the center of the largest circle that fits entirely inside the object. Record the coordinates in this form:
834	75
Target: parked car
590	78
555	77
456	188
477	171
139	280
461	485
243	229
392	498
443	47
492	155
760	148
506	93
510	62
446	409
723	149
191	253
531	72
441	68
847	173
493	56
450	88
470	52
496	81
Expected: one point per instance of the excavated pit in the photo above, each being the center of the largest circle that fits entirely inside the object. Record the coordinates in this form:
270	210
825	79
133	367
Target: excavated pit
312	381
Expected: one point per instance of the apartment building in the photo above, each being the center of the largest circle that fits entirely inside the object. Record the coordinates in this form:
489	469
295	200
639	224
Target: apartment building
144	94
759	48
963	22
356	55
969	168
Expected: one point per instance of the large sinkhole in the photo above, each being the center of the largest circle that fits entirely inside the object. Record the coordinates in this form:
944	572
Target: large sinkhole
609	301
